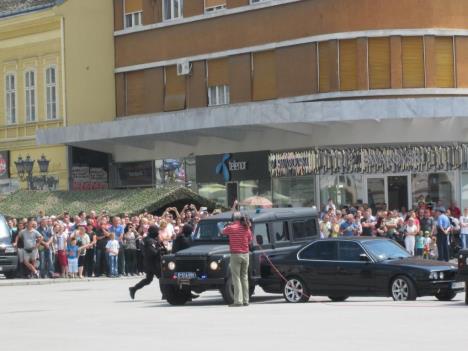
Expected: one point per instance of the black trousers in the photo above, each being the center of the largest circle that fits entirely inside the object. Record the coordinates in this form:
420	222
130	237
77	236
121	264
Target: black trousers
89	263
140	266
121	260
442	247
130	261
145	281
101	262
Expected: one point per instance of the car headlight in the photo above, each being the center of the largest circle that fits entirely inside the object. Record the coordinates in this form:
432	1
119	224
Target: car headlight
433	275
441	275
171	265
214	265
466	261
10	249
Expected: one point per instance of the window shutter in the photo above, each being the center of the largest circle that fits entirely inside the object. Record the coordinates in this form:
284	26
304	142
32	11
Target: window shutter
264	75
413	62
328	66
214	3
348	64
133	6
379	63
444	62
174	98
218	72
135	92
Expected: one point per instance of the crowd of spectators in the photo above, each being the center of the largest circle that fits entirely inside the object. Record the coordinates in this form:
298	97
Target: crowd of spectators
427	231
95	245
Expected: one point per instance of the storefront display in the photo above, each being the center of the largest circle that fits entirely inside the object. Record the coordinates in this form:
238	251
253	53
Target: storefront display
293	191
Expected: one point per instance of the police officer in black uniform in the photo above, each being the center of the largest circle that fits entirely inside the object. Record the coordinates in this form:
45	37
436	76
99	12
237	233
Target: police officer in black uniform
152	252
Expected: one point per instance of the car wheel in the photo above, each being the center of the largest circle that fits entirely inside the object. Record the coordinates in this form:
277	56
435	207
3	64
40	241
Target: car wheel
466	292
176	296
295	291
338	298
402	289
10	275
446	295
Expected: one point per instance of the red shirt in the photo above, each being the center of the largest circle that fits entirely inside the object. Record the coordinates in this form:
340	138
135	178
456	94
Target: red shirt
239	238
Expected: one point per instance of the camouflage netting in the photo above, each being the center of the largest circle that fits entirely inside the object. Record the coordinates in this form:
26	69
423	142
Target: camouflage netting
28	203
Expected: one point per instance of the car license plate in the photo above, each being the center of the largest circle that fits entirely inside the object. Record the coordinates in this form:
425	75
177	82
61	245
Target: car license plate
186	275
458	285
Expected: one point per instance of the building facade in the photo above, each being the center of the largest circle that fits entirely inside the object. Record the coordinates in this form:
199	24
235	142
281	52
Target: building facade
51	77
360	101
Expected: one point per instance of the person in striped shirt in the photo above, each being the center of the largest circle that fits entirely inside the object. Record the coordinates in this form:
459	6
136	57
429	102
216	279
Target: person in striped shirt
240	237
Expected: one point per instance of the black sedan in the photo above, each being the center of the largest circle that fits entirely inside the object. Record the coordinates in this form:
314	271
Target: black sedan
339	268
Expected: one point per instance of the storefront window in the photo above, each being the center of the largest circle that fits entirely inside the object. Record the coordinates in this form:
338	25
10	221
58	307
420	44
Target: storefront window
215	192
434	188
294	192
464	193
344	190
249	188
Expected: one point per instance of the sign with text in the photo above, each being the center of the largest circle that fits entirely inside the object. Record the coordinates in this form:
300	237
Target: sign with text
88	178
369	160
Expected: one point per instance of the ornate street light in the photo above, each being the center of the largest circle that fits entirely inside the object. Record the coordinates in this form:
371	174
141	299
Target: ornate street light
43	164
24	167
28	165
20	167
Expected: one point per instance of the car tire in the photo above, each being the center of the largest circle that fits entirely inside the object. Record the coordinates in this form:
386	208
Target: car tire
10	275
402	289
176	296
227	291
446	295
338	298
295	291
466	292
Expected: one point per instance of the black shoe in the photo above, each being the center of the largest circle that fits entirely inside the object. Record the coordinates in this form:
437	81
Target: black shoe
132	293
245	304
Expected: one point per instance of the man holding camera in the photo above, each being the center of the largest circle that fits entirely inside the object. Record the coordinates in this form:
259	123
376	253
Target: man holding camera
240	237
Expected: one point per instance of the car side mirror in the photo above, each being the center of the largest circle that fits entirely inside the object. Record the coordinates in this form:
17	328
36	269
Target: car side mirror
259	239
364	258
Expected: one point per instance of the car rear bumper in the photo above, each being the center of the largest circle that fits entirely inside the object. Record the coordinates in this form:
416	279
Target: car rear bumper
429	288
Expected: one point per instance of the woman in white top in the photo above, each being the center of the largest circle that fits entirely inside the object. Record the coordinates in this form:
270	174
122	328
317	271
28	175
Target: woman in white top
464	228
165	235
410	238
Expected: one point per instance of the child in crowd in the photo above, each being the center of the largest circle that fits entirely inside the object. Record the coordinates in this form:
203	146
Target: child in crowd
419	245
72	258
427	245
112	249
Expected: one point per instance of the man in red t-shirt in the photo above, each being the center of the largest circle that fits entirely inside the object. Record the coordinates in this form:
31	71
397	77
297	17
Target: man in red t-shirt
240	237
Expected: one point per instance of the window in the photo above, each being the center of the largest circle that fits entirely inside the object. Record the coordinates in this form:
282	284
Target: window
280	231
342	189
30	97
322	250
173	9
51	93
214	5
294	192
304	229
261	234
133	19
218	95
350	251
10	97
433	188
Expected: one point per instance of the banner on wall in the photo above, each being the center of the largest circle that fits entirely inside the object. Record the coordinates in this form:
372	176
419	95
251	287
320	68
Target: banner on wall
4	164
369	160
89	178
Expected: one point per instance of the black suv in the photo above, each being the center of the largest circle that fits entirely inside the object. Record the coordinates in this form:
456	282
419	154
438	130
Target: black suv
205	265
8	257
463	270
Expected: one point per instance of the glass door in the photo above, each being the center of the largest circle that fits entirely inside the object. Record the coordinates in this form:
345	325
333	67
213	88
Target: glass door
391	192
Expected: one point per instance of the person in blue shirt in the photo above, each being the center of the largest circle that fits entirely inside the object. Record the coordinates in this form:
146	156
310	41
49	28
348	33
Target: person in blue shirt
118	229
443	231
46	253
349	227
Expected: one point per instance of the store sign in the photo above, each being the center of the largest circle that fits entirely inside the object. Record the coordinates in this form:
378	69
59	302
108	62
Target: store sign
4	164
430	158
232	167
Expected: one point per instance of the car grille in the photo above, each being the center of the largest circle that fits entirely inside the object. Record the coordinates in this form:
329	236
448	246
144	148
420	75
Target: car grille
449	275
191	265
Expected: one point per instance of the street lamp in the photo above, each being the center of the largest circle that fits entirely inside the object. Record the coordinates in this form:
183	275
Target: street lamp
24	167
43	164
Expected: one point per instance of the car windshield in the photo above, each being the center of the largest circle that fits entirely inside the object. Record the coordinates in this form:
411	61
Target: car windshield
4	232
210	231
385	250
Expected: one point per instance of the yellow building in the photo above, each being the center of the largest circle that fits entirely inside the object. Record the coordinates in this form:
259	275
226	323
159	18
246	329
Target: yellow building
56	63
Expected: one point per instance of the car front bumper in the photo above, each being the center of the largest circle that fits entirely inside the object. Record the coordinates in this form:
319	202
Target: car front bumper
8	264
430	288
206	283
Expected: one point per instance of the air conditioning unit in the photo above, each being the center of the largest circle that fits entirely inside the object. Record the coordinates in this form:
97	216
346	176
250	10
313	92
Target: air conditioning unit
184	68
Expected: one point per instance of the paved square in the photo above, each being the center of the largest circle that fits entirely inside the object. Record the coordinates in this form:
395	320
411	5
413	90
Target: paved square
91	315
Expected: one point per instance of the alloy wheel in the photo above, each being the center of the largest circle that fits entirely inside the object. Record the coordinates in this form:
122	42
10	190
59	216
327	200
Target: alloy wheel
294	290
400	290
